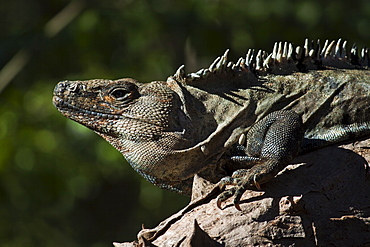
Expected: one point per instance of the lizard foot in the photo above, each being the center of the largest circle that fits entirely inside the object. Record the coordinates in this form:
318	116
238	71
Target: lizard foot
242	180
270	144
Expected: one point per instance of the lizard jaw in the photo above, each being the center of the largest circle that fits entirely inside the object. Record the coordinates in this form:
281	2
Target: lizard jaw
67	110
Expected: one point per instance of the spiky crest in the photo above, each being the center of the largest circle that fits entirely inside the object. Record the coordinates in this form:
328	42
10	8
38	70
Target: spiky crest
284	59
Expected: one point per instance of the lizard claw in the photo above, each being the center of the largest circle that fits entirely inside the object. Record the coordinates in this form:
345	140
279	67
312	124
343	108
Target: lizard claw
237	206
226	194
256	183
219	203
229	193
241	181
238	195
234	191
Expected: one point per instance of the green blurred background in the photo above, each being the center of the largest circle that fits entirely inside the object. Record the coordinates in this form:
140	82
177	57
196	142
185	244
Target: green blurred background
61	184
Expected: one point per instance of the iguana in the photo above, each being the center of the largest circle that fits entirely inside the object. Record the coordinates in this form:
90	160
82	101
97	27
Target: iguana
233	123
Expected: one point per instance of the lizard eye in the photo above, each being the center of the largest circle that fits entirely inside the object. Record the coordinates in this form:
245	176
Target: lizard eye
120	94
123	91
123	94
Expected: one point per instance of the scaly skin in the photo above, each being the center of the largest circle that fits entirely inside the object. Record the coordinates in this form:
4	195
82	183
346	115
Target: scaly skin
197	123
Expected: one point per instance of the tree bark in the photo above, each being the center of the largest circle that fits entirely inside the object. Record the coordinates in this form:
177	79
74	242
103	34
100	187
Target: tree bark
322	199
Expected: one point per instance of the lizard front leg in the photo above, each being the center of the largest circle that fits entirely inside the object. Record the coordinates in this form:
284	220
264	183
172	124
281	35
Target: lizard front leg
271	144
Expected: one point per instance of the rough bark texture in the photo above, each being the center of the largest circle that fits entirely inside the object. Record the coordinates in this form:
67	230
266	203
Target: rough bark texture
321	200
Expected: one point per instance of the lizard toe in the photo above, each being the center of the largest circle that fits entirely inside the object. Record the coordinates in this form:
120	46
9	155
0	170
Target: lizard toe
224	196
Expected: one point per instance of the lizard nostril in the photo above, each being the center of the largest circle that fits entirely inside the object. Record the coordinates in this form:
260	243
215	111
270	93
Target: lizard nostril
73	87
66	87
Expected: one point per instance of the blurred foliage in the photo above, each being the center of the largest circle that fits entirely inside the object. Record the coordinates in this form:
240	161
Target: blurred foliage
61	184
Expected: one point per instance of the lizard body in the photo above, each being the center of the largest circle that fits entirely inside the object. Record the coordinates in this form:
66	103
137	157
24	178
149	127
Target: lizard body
248	119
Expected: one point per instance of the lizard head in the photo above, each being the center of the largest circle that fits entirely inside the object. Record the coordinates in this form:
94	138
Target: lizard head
146	122
121	108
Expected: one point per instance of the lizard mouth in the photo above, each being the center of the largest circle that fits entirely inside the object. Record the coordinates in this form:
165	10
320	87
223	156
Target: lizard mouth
72	110
75	113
